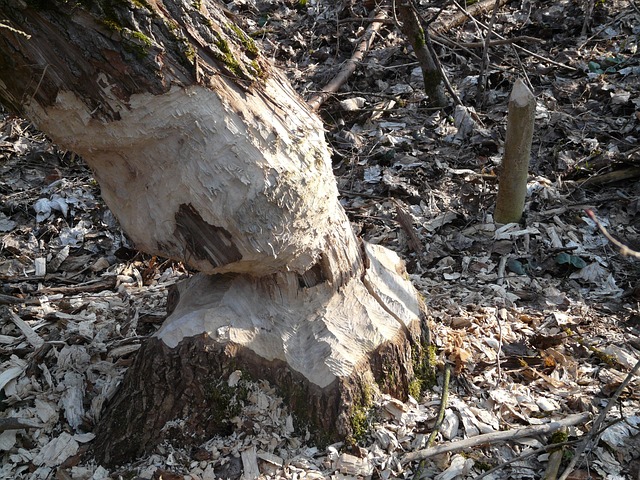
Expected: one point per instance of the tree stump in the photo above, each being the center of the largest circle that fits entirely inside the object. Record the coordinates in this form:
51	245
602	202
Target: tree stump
330	353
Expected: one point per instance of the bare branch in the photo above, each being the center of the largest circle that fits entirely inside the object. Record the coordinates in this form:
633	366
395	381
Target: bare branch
497	437
624	250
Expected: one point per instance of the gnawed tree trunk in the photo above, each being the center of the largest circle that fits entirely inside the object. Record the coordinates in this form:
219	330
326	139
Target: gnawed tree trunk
206	155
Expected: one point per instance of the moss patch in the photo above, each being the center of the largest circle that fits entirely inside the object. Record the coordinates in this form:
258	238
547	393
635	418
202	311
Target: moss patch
250	47
361	414
225	402
424	369
135	42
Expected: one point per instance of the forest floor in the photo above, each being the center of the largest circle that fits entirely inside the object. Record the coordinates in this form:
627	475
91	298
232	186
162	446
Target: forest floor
538	320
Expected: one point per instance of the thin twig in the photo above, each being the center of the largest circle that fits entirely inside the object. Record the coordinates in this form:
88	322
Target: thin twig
519	47
485	56
594	434
439	419
603	28
498	361
624	250
39	82
525	74
502	41
447	42
385	21
443	74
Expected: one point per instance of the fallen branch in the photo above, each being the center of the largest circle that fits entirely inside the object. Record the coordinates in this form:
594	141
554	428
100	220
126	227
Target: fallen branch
317	99
480	97
11	300
476	9
611	177
497	437
98	285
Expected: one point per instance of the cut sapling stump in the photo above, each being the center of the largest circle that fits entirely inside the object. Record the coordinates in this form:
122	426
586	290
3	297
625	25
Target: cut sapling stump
512	189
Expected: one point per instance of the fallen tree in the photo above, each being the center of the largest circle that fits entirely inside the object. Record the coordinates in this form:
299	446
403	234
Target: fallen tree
206	155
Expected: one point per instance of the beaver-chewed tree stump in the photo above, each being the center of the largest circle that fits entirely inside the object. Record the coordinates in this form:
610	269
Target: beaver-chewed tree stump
330	353
206	155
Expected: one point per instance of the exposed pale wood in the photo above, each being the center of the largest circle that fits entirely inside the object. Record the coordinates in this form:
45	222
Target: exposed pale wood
512	188
329	351
30	334
207	155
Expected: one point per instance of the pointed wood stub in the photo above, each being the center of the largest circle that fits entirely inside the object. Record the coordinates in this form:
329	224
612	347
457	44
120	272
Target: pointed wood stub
328	352
512	189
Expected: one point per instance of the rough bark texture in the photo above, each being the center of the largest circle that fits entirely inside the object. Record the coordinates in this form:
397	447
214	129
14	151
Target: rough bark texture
206	154
329	354
412	29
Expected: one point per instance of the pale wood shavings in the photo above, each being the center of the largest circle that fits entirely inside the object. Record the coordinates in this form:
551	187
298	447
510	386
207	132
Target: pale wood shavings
564	346
32	337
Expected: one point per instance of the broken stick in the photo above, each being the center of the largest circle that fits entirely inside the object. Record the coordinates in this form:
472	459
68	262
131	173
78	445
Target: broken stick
497	437
317	99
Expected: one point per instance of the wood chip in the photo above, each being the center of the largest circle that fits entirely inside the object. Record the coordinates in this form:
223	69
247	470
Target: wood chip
32	337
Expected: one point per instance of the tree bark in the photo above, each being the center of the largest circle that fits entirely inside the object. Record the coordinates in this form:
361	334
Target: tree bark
416	35
205	154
